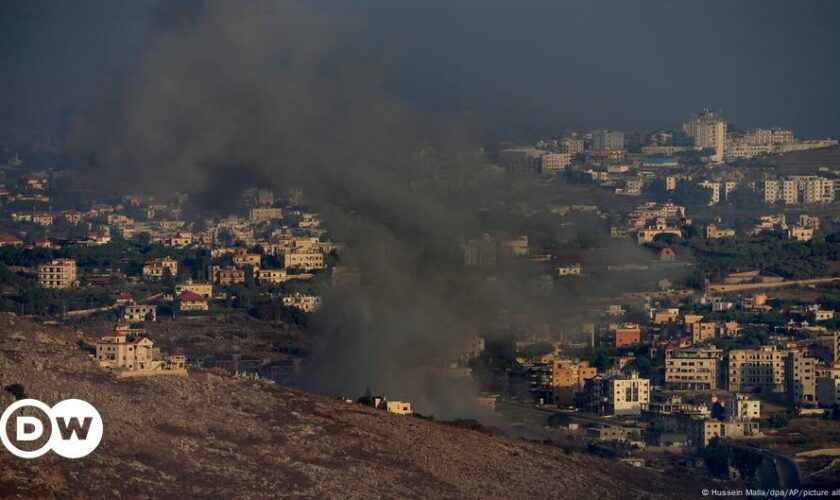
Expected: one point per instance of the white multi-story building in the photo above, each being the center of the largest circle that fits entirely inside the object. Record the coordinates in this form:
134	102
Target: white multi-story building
808	189
708	131
740	408
628	395
603	140
555	162
306	303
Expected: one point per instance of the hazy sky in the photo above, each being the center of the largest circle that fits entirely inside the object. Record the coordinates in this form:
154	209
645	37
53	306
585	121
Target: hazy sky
526	68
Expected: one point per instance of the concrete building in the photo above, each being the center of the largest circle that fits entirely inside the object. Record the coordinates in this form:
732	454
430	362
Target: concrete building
227	275
572	269
616	394
479	251
521	161
807	189
741	408
515	246
693	369
136	313
649	234
714	232
621	335
799	233
155	269
816	189
189	301
272	276
136	356
800	378
700	332
303	260
398	407
555	162
828	390
603	140
708	131
203	289
557	381
260	214
243	258
58	273
761	369
306	303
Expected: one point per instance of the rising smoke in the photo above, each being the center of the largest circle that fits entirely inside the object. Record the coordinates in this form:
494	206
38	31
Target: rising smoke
229	94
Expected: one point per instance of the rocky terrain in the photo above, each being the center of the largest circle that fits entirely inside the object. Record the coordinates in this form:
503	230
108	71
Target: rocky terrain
210	435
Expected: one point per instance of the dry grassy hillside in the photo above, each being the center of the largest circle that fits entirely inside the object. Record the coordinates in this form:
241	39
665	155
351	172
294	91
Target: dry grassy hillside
208	435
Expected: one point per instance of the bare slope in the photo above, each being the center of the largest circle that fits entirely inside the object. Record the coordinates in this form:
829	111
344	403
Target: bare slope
209	435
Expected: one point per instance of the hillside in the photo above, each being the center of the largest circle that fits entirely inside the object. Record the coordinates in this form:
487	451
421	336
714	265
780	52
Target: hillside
810	162
210	435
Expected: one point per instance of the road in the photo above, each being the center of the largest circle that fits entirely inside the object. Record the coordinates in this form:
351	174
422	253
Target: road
778	471
544	413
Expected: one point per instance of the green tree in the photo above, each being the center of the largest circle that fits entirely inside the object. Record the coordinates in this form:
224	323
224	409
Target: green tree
718	411
778	420
692	195
717	456
167	280
746	198
16	390
558	419
747	461
366	398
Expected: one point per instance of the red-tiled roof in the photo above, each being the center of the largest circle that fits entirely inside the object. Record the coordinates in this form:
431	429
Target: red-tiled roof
188	296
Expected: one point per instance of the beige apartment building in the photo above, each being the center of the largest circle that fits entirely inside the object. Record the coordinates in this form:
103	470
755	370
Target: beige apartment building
264	213
242	257
708	131
555	162
714	232
801	378
799	233
58	273
135	313
271	276
693	369
304	260
203	289
227	275
155	269
189	301
701	332
761	369
558	381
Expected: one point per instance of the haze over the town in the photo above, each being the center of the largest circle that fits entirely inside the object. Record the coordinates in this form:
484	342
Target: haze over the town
419	249
527	69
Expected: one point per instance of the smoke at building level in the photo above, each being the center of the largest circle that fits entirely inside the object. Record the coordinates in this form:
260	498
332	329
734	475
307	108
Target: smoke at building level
231	94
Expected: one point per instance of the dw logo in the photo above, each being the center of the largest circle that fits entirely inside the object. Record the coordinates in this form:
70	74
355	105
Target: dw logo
75	428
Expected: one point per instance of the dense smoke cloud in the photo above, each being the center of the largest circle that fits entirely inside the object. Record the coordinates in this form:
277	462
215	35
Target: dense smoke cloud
238	94
231	95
